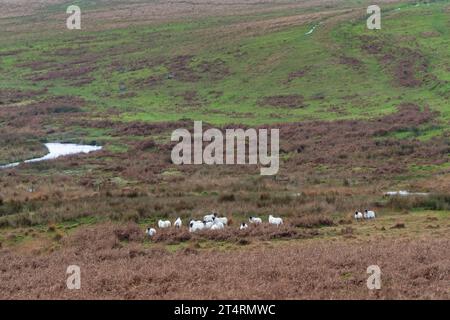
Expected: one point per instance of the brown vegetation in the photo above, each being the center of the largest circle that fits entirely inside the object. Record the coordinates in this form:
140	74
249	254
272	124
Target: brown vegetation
286	101
233	234
349	144
339	146
313	221
408	66
320	270
10	96
297	74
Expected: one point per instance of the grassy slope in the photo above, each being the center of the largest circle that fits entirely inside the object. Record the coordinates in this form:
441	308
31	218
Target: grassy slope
261	68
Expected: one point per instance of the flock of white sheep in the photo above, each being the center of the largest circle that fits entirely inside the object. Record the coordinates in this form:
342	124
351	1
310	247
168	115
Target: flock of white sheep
213	222
210	222
366	215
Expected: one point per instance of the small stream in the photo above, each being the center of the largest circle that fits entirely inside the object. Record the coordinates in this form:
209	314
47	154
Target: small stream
404	193
312	29
57	150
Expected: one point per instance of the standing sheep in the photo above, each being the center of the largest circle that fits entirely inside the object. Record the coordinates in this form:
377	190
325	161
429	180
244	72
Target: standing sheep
369	214
223	220
151	232
164	224
196	225
217	226
210	217
208	224
177	223
275	221
255	220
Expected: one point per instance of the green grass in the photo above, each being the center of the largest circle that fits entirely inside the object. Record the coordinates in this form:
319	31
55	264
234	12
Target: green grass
259	65
268	60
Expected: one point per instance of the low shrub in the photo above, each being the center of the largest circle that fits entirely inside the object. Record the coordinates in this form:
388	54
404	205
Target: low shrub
313	221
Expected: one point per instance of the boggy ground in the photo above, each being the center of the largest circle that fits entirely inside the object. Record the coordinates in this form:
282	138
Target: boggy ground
326	167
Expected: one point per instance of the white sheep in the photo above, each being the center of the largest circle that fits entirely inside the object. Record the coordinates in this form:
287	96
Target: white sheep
196	225
369	214
164	224
178	223
151	232
255	220
243	226
217	225
208	224
275	221
358	215
210	217
223	220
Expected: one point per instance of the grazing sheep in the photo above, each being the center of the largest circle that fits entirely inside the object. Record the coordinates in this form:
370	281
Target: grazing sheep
243	226
164	224
210	217
369	214
223	220
178	223
275	221
358	215
151	232
217	225
208	224
255	220
196	225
